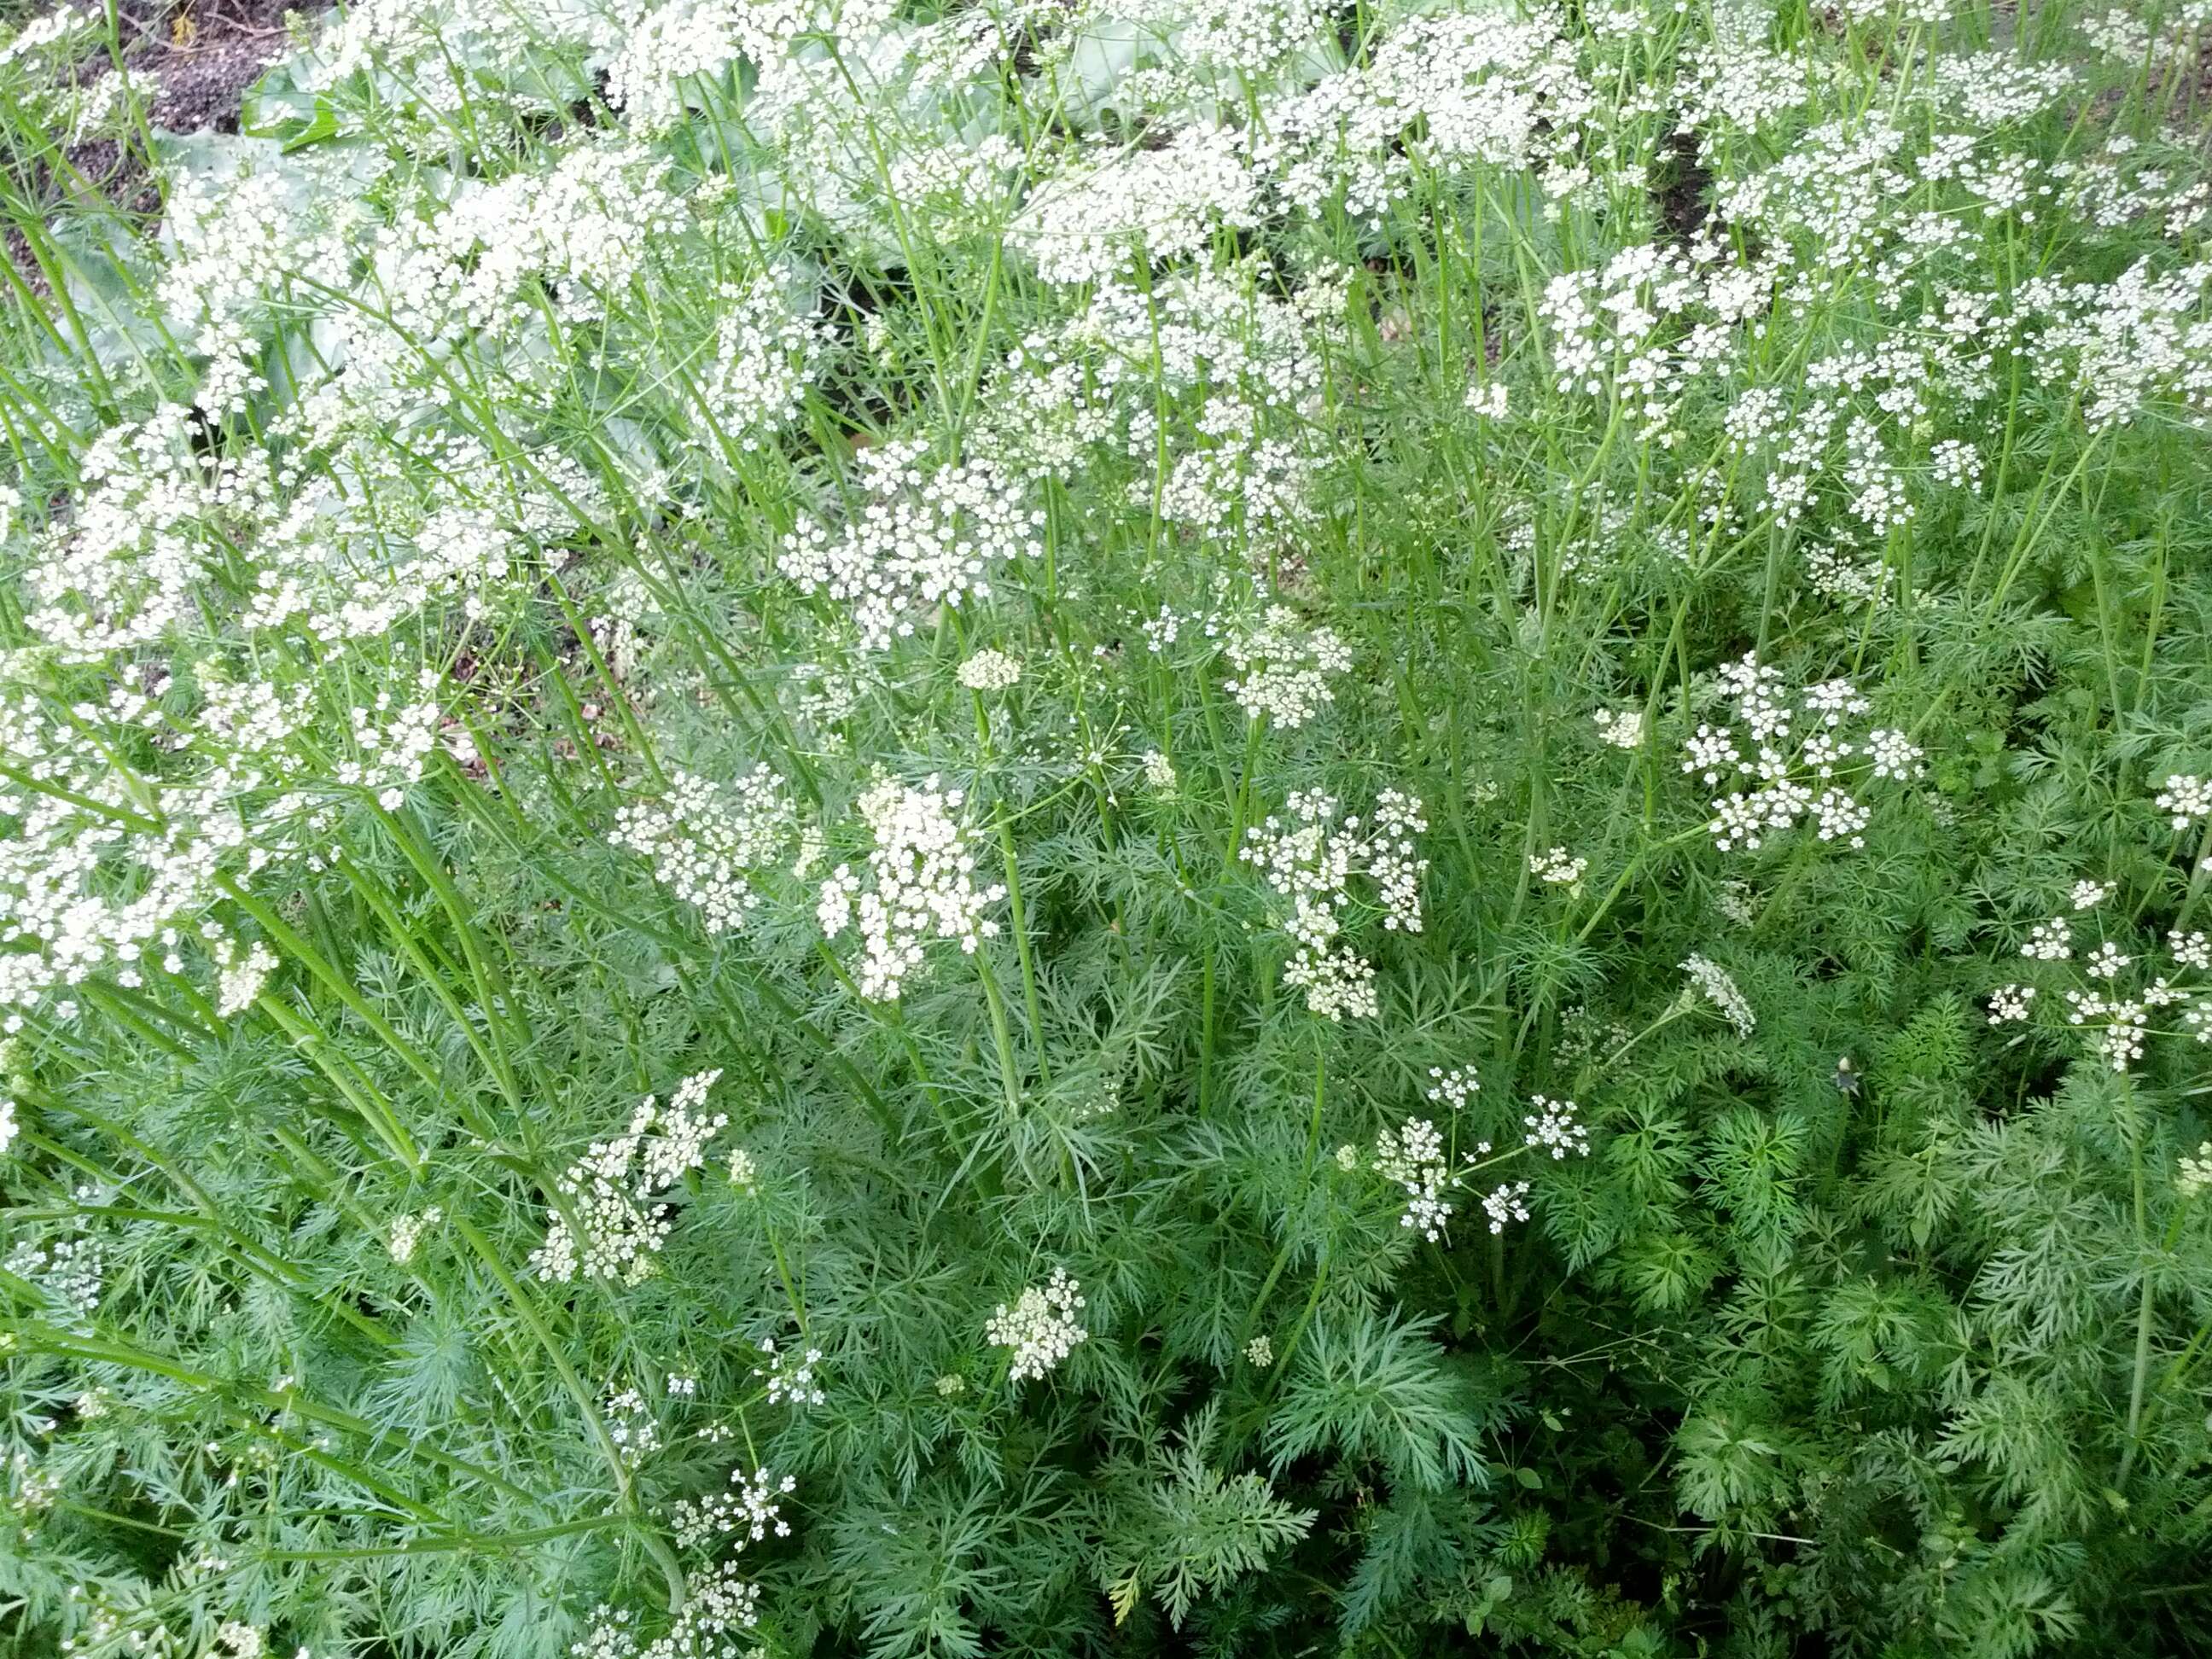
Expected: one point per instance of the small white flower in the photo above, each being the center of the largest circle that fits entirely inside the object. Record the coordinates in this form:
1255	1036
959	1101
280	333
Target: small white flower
2194	1177
709	841
790	1375
1454	1088
1719	989
1283	670
614	1190
1412	1156
989	671
1260	1353
1505	1204
2105	961
1553	1127
1041	1328
1557	867
921	885
2186	797
2050	941
1895	755
407	1232
1624	730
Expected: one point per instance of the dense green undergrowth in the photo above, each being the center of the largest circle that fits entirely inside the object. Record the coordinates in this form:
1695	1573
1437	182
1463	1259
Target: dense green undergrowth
1196	825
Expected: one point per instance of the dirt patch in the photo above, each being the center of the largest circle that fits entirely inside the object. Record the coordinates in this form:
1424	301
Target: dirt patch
196	57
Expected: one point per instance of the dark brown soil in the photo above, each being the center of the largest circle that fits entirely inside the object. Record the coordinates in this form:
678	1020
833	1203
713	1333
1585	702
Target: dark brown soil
198	57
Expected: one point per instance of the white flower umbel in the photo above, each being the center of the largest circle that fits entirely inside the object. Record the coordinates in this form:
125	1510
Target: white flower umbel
1552	1127
613	1191
2186	798
1622	729
750	1513
406	1235
1283	668
923	535
1797	756
1506	1204
919	885
789	1374
1719	989
1310	859
1041	1328
1558	867
989	671
766	355
1455	1086
2193	1178
719	1609
1084	225
1412	1156
709	841
240	975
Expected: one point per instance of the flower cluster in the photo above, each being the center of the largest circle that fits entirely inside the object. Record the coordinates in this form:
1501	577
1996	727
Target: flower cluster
67	1269
1310	859
1558	867
1552	1127
2115	1019
766	355
1087	223
1719	988
1283	668
632	1429
1801	751
789	1374
1506	1204
750	1513
1455	1086
924	536
407	1230
989	671
2186	797
1041	1328
610	1222
709	841
1623	729
1411	1156
920	884
2193	1178
719	1612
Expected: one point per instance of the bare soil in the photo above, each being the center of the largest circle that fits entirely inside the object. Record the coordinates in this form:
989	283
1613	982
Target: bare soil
198	57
